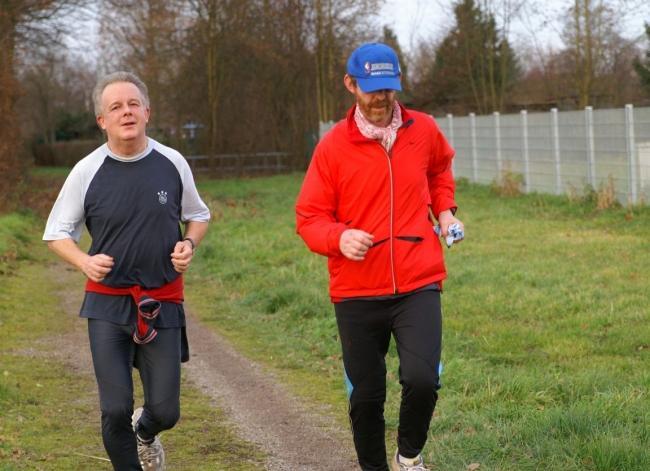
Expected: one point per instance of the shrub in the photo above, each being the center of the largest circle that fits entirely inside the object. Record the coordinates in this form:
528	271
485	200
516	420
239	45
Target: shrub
508	184
606	195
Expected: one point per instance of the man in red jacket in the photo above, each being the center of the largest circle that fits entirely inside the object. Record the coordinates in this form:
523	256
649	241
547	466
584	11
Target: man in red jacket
373	182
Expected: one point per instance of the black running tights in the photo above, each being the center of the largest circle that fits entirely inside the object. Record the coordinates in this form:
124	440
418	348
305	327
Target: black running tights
365	327
159	364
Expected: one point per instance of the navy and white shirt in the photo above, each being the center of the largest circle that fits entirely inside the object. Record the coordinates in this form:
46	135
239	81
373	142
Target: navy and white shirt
132	209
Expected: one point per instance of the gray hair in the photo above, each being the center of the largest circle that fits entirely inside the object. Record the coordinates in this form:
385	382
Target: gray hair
120	76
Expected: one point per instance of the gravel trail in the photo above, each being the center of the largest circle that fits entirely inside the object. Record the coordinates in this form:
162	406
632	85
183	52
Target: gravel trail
260	409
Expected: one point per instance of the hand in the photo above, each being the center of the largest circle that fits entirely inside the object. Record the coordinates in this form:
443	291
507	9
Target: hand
355	243
96	267
182	255
446	219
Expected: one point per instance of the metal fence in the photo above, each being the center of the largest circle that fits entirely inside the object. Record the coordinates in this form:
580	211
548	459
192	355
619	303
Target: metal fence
556	152
228	165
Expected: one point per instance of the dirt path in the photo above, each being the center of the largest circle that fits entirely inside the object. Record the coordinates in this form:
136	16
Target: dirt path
261	409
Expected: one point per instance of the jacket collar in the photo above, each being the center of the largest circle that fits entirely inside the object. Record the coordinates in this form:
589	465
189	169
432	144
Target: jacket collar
353	130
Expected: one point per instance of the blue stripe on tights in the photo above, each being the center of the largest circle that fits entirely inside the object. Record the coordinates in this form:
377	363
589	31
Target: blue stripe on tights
348	384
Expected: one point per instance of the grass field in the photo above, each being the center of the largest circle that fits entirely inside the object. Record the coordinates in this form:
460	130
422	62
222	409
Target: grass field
546	334
48	411
546	323
16	234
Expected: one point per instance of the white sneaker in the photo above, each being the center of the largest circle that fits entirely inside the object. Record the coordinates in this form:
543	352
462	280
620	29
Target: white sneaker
414	464
152	455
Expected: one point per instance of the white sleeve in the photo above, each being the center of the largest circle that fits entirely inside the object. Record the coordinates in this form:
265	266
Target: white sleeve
192	206
67	216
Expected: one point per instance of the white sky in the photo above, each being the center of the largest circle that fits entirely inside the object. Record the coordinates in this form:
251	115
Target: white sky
540	20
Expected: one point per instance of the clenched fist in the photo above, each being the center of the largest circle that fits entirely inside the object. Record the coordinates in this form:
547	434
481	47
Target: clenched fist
354	244
96	267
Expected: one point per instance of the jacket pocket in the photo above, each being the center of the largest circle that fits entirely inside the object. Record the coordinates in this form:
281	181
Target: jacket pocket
379	242
414	239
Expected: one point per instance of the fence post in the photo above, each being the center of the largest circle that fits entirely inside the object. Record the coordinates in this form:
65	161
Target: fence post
591	152
631	153
472	124
524	145
556	151
497	136
450	126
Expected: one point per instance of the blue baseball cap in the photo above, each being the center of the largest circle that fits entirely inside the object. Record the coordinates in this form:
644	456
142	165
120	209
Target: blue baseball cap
375	66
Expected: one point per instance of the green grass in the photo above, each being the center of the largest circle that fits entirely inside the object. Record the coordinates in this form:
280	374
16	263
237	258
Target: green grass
58	172
546	332
49	416
49	421
546	340
16	232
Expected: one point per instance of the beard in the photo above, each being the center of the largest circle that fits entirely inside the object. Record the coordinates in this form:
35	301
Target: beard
378	112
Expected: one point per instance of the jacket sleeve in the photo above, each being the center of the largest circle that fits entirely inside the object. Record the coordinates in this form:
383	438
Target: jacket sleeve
439	174
316	208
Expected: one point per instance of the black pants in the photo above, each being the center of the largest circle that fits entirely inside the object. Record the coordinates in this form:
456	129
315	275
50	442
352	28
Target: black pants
159	364
365	328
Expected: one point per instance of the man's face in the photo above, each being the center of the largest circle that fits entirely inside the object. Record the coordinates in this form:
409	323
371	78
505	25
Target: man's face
124	114
377	106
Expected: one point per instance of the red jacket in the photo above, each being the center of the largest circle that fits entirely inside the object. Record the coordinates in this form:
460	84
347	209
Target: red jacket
353	183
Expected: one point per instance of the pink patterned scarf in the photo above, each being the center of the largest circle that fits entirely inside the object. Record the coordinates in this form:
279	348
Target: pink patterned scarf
386	136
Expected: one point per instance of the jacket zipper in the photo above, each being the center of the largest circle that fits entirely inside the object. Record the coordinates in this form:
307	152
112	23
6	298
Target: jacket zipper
392	203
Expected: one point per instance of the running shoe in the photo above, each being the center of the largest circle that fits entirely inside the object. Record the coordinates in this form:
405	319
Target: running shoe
414	464
152	454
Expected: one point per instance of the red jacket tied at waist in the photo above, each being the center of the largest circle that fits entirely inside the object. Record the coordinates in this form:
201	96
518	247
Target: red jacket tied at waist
353	183
148	303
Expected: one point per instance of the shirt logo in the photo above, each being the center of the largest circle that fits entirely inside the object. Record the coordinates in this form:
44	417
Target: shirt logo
162	197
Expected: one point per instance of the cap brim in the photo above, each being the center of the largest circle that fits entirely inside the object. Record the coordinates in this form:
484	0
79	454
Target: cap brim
372	84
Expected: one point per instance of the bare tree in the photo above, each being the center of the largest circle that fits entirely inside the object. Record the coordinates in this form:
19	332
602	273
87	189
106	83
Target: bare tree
218	23
642	67
146	38
56	103
338	27
594	50
41	92
22	24
243	75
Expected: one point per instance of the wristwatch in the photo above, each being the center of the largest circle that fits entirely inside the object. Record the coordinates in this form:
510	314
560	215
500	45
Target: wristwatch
191	243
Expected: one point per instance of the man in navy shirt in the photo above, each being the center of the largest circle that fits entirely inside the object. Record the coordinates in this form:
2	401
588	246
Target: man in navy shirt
133	194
